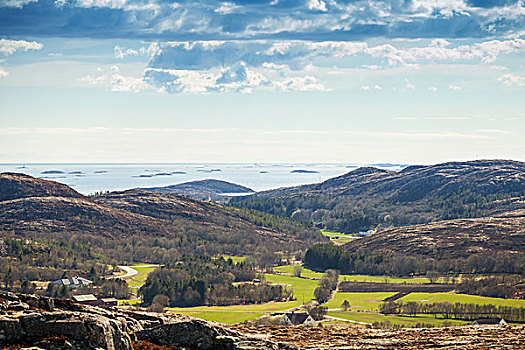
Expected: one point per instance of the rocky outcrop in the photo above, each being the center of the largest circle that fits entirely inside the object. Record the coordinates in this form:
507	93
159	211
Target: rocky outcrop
30	320
359	338
206	336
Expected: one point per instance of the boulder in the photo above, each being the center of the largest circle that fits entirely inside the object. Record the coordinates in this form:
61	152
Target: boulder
94	330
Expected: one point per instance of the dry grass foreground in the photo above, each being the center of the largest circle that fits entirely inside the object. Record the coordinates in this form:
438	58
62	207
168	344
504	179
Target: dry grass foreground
336	336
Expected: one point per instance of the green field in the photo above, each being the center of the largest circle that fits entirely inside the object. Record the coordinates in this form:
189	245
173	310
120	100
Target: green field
461	298
362	305
236	259
139	279
220	316
371	317
357	278
302	288
338	237
358	301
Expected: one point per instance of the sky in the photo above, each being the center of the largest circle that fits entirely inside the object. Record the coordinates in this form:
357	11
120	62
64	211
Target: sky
346	81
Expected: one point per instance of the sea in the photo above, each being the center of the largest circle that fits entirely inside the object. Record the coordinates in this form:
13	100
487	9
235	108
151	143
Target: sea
92	178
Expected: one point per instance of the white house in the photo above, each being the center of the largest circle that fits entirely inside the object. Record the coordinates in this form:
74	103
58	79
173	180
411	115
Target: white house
73	282
489	322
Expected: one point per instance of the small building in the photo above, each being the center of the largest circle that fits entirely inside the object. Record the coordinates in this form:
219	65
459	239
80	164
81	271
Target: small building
86	299
489	322
73	282
108	302
292	318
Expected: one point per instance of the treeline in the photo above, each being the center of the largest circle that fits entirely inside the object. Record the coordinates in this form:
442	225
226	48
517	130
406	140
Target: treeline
357	212
329	256
28	260
326	285
495	286
458	311
201	280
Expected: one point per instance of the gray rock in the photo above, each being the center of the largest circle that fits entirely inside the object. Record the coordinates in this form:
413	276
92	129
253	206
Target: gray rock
205	335
96	331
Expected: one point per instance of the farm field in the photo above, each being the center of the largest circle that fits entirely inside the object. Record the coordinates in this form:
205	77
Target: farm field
358	301
461	298
362	305
220	316
341	237
357	278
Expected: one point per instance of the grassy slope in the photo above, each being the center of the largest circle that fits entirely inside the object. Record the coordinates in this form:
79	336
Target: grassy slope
358	301
461	298
341	237
358	278
140	279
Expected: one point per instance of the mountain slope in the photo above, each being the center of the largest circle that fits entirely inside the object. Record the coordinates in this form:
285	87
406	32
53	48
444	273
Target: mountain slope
368	197
493	244
134	225
14	186
216	190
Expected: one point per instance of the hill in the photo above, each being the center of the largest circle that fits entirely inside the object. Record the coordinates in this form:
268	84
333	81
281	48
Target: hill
210	189
367	197
493	244
15	186
44	234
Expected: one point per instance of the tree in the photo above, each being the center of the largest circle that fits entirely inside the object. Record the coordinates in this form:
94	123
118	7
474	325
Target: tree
345	305
297	270
322	294
433	276
318	312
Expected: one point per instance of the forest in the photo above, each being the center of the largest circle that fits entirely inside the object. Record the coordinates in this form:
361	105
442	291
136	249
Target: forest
201	280
454	310
329	256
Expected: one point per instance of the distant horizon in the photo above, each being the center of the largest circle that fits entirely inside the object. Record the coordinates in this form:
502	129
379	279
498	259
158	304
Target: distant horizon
148	81
350	163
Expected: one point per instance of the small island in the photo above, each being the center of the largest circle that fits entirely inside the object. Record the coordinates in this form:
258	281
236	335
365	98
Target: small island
301	171
50	172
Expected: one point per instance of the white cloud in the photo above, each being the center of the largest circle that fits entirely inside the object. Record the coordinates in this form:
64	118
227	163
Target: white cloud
122	52
454	87
409	85
512	80
9	47
442	50
317	5
371	87
21	131
226	8
493	131
3	73
114	4
432	88
425	135
16	3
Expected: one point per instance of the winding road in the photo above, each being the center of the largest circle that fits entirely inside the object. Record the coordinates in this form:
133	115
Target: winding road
130	271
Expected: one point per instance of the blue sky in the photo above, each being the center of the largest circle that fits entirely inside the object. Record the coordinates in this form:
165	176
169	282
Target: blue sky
415	81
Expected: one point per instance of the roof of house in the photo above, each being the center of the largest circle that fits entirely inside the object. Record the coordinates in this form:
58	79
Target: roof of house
85	297
489	320
297	318
109	300
73	281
